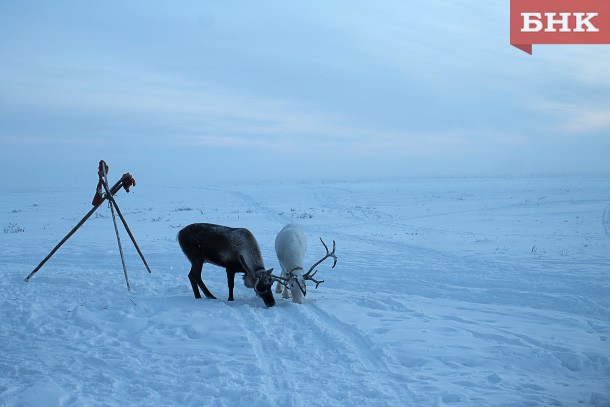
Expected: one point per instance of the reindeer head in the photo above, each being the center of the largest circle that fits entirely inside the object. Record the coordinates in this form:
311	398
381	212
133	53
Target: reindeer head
261	280
296	284
262	286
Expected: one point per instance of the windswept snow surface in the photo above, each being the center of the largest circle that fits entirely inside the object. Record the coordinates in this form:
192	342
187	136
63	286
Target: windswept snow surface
459	292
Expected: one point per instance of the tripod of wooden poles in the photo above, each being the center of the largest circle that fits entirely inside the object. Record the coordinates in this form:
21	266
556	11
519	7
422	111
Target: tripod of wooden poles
102	194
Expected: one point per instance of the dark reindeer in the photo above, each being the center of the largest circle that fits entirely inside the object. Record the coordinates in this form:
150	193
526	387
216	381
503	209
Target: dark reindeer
235	249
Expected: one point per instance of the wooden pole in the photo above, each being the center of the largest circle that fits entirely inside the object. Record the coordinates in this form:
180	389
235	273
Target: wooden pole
104	180
133	239
110	193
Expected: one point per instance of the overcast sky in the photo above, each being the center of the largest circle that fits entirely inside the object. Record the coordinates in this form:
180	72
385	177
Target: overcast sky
201	92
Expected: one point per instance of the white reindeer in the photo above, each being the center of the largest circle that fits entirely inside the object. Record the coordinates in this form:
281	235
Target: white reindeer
290	248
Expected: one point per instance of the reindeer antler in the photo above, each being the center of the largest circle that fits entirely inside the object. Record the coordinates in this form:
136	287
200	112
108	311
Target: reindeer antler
309	275
283	281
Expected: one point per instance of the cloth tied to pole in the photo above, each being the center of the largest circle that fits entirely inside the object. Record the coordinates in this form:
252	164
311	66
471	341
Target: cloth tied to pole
98	198
126	182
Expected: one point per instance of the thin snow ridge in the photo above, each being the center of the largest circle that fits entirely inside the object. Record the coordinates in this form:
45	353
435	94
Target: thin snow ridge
606	220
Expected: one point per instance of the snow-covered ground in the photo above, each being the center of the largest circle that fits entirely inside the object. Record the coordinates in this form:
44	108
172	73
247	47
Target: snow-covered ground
465	292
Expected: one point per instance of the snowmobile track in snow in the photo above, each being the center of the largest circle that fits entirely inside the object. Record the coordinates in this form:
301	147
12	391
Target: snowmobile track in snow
317	335
606	220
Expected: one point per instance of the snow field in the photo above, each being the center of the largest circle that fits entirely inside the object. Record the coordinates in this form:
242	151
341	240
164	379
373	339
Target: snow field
453	292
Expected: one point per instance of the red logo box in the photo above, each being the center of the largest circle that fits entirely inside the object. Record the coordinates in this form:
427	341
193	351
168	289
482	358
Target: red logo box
559	22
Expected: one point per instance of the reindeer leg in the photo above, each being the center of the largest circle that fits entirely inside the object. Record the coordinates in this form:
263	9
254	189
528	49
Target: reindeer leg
287	294
195	270
196	276
231	282
278	287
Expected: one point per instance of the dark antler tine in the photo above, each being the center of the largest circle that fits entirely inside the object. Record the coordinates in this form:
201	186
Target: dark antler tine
311	272
326	247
